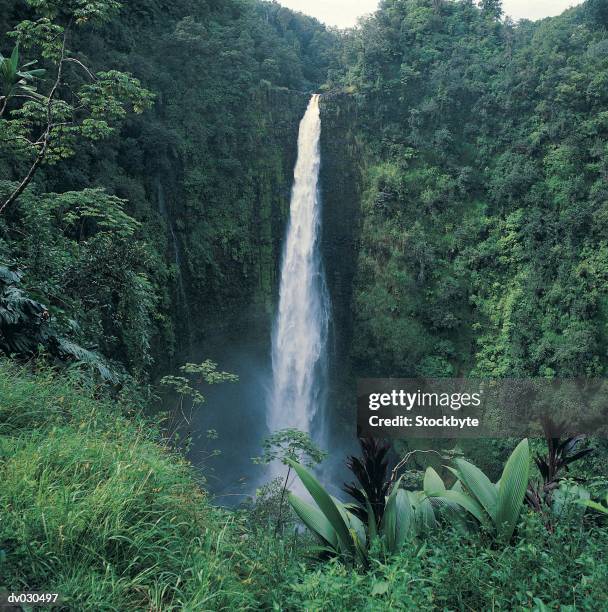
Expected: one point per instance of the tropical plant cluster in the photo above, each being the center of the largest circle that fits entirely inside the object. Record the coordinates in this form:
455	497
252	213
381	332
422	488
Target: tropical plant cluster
98	507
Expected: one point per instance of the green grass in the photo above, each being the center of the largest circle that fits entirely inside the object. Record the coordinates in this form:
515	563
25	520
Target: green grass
95	509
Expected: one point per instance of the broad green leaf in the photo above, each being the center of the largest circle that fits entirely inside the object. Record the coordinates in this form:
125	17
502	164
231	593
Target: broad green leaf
466	501
314	519
371	520
513	485
432	481
327	507
389	520
353	523
37	73
423	510
7	76
360	548
15	59
405	517
479	485
594	505
398	518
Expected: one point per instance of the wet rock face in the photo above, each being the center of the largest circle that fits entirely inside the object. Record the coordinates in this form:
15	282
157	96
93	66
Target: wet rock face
240	304
341	162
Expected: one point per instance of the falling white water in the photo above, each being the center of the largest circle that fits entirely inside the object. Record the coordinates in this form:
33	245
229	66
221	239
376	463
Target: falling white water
300	330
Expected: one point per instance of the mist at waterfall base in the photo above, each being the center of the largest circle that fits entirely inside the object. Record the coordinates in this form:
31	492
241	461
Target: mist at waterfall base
238	413
285	386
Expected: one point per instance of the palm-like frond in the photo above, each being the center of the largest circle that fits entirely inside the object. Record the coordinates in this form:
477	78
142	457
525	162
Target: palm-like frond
371	472
11	75
494	505
70	351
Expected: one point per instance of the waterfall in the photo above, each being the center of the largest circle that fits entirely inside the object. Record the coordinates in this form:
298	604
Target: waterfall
177	258
300	330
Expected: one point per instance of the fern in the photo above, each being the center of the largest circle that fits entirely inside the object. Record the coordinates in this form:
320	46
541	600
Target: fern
25	330
70	351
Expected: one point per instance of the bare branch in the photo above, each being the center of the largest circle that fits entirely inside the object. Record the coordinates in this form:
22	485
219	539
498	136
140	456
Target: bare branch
29	142
402	463
73	59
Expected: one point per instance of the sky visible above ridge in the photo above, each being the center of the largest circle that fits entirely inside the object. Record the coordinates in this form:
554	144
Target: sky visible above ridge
344	13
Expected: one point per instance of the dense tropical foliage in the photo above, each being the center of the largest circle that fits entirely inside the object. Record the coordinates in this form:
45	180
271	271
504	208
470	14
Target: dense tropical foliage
146	152
482	235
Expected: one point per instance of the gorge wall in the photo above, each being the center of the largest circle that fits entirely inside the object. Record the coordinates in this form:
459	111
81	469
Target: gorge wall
207	171
463	178
342	172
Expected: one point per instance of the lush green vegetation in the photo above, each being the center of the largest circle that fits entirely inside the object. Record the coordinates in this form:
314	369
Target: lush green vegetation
146	151
482	235
481	147
96	506
129	219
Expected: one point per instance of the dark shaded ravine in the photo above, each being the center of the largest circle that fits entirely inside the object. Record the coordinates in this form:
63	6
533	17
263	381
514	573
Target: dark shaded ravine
240	343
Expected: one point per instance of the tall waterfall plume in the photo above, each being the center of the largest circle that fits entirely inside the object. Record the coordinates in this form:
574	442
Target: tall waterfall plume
301	326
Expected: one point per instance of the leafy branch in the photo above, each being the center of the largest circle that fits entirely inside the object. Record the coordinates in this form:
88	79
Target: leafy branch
193	376
289	446
47	126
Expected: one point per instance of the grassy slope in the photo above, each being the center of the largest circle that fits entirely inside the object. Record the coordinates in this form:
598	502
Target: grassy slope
94	509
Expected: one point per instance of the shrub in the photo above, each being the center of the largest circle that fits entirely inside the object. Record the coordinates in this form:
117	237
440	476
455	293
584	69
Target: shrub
563	570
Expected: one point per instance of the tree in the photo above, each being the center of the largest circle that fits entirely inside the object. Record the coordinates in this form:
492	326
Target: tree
26	329
597	10
43	124
492	8
288	445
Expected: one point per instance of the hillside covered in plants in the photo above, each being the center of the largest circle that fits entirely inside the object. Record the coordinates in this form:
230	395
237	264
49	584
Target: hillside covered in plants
482	239
147	154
